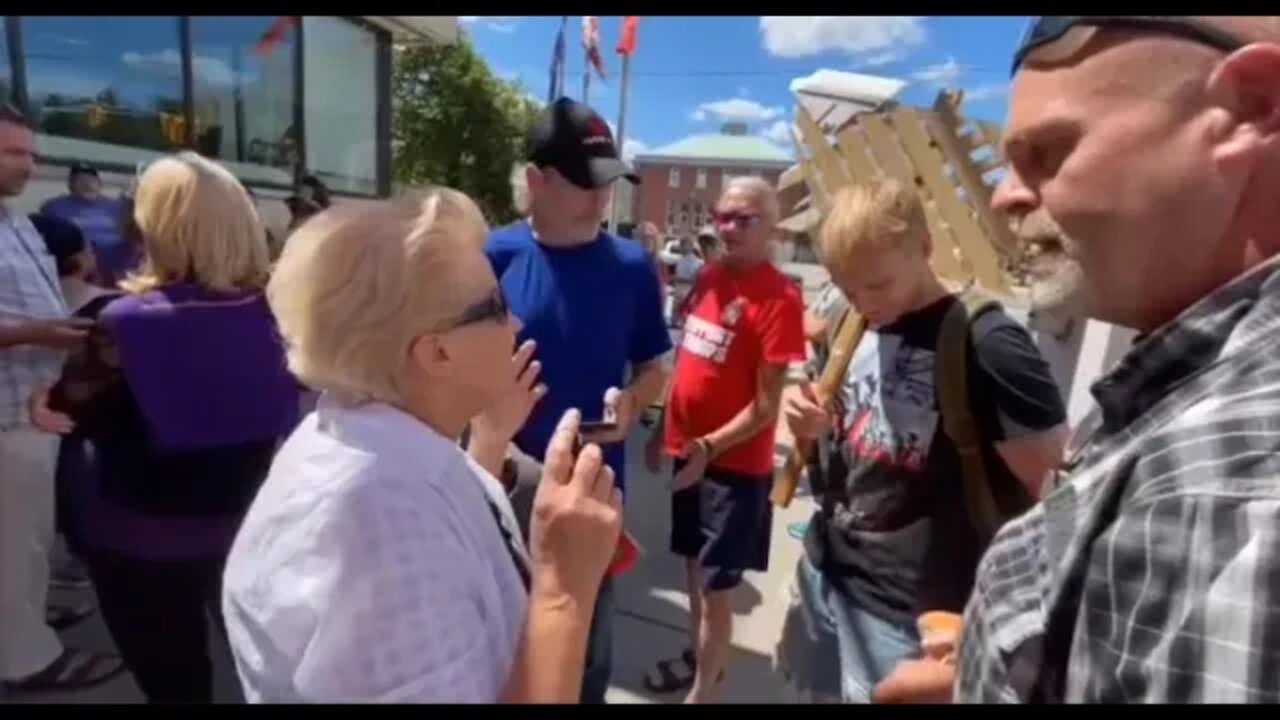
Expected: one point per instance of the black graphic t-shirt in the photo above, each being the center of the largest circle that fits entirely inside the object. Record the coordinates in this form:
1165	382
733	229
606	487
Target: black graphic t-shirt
895	535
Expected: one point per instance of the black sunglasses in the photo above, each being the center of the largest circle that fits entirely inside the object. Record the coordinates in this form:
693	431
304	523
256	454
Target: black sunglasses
1042	31
493	307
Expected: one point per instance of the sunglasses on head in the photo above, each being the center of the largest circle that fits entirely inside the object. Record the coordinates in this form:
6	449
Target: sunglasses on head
1042	31
742	221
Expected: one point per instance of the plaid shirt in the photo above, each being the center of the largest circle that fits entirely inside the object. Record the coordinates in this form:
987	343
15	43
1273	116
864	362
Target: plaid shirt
29	290
1152	575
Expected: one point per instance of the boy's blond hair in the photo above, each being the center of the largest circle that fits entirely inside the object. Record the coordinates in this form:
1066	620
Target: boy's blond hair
871	216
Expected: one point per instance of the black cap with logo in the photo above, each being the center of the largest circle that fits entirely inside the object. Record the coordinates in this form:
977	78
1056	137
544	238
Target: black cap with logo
577	142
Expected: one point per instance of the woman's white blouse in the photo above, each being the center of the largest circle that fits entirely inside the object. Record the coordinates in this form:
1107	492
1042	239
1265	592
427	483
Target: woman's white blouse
370	569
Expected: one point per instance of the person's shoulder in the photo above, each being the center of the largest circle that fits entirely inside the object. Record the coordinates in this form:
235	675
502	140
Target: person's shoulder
54	204
92	308
629	252
779	286
511	238
993	322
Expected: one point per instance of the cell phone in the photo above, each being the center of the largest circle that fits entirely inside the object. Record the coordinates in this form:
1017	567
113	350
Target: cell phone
596	426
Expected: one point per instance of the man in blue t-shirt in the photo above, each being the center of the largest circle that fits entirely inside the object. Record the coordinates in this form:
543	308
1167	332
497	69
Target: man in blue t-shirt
590	300
99	217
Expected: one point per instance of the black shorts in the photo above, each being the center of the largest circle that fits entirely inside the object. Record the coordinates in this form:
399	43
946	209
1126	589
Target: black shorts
725	522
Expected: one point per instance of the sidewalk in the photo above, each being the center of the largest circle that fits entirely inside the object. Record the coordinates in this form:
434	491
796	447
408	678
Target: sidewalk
650	625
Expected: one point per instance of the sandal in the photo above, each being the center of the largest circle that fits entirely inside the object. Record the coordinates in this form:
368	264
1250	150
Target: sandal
62	617
73	670
669	681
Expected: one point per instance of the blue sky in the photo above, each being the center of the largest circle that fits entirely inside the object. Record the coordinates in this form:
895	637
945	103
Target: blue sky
689	74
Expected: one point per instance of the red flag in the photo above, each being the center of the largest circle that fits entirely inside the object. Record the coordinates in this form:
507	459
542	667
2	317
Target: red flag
630	25
626	556
591	42
275	35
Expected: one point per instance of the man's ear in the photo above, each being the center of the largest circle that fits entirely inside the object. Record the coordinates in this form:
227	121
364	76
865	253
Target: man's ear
533	177
1247	84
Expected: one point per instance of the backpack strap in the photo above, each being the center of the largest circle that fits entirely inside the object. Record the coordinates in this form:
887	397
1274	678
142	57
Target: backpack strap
951	371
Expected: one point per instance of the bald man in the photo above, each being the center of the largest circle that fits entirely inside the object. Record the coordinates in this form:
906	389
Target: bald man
743	327
1152	575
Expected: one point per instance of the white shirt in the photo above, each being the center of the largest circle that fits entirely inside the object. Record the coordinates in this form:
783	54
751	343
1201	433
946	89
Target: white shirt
687	268
370	569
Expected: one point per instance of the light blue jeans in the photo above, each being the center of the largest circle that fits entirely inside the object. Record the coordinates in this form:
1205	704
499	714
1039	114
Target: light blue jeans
831	649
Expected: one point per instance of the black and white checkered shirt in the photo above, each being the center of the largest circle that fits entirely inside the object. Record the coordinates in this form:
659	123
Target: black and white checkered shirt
1153	574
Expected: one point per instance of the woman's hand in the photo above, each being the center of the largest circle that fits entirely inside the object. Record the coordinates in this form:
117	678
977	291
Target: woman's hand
48	420
504	419
577	517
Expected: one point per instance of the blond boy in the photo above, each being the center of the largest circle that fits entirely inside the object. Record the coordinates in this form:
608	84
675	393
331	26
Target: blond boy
892	538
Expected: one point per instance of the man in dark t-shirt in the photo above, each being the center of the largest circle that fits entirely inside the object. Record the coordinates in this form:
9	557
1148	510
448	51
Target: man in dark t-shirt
893	538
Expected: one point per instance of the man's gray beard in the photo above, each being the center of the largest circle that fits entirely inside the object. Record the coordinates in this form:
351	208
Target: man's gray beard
1059	293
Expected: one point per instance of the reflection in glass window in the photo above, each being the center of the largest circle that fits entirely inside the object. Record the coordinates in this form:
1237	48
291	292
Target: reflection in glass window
242	71
104	89
340	72
6	74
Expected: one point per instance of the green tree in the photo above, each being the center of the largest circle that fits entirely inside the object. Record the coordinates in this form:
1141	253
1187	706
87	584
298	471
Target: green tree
457	124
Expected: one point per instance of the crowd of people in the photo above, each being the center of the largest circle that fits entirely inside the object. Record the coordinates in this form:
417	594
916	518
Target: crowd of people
446	524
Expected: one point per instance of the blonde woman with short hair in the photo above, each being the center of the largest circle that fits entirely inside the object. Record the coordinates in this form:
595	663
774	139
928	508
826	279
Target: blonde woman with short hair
183	392
381	562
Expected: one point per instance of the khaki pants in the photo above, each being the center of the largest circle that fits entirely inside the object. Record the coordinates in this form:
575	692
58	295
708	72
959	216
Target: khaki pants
27	461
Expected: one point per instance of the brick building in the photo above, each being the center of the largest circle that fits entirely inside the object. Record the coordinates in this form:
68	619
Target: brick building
682	181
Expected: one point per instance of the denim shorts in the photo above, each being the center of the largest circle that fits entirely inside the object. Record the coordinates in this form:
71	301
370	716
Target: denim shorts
832	651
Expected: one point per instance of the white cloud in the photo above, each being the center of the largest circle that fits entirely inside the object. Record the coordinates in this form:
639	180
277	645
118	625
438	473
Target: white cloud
884	58
64	39
779	133
505	24
737	109
792	36
941	74
987	92
630	146
207	70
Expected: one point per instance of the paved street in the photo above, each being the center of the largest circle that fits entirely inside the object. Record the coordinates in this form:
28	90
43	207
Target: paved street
652	611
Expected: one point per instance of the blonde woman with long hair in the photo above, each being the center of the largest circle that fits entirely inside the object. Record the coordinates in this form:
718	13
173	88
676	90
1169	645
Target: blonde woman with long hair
183	391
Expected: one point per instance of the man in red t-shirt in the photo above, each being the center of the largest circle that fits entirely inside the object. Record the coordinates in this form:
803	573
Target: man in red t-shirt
744	327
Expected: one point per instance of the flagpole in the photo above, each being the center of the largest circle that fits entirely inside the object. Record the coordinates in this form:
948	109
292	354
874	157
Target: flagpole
622	136
564	20
586	84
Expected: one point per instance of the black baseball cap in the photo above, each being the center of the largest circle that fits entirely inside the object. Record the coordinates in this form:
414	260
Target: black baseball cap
82	168
577	142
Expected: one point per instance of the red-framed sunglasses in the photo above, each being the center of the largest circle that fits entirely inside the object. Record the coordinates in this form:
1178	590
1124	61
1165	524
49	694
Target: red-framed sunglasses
741	221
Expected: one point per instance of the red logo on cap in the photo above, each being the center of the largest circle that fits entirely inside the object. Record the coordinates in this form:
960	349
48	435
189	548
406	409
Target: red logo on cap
599	133
599	127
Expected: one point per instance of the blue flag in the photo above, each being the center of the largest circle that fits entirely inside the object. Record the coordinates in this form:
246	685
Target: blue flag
557	64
